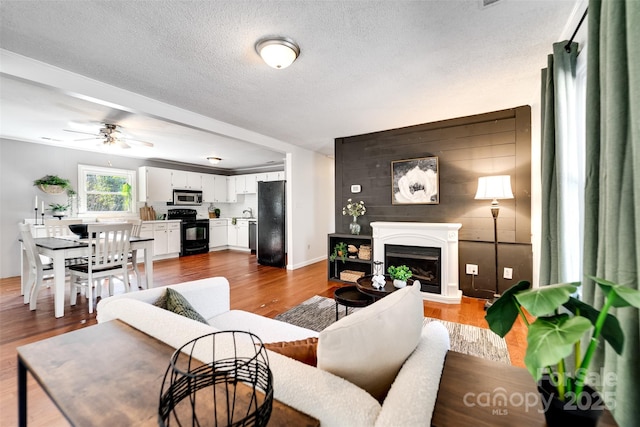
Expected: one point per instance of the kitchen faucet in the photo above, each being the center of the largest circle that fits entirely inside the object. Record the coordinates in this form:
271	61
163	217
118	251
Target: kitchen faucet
248	210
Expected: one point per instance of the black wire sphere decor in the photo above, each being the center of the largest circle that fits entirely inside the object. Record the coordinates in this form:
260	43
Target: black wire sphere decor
218	379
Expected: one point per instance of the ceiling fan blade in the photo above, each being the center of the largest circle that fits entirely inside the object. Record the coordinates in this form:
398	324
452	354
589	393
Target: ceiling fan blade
77	131
86	139
122	144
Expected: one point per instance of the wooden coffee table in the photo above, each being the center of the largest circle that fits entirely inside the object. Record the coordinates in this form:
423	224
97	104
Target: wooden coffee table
364	285
109	374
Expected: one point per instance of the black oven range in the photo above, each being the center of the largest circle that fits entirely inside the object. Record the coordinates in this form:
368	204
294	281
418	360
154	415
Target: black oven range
194	233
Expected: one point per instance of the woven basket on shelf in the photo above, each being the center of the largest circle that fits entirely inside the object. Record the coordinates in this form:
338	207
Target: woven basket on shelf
350	275
364	252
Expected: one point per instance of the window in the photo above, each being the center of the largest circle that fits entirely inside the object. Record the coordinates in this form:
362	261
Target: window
105	190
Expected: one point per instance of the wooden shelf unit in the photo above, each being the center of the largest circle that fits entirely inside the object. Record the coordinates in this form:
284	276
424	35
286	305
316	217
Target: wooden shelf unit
355	264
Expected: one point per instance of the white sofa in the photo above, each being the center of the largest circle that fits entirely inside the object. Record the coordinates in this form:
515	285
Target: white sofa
313	390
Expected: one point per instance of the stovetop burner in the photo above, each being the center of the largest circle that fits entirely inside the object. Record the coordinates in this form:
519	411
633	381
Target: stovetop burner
183	214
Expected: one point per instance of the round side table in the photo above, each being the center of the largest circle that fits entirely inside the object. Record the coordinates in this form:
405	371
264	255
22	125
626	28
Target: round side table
350	296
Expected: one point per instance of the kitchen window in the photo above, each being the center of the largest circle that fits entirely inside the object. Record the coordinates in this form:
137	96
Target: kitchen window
105	190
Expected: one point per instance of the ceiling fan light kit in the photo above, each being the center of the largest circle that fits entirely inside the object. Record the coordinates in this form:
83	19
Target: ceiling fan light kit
278	52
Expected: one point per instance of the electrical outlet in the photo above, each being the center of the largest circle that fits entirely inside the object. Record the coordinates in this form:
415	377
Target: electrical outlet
472	269
508	273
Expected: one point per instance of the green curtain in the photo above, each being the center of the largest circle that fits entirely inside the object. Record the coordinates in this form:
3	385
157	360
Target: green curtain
612	189
558	259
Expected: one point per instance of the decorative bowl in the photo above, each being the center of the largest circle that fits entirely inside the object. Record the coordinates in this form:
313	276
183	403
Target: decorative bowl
80	230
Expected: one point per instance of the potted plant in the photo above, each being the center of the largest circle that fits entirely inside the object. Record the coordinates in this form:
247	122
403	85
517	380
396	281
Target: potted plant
216	211
53	184
58	209
339	251
400	275
556	334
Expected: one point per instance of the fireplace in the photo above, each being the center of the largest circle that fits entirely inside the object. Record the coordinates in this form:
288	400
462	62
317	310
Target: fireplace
424	263
427	241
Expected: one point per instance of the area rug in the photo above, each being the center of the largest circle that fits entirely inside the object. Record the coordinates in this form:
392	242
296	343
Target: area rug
318	312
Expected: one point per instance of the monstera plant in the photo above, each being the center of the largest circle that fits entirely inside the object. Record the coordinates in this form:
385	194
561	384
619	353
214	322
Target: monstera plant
561	322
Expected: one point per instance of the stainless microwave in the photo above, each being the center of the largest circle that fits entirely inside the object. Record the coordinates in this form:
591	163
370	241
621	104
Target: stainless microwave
187	197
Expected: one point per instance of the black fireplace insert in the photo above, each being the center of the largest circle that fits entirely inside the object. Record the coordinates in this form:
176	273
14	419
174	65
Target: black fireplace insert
424	263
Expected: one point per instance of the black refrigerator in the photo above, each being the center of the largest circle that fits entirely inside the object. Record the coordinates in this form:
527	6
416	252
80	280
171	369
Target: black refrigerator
271	224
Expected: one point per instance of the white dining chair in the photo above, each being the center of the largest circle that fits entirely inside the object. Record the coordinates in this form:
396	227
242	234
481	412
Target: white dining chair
109	257
136	225
38	271
133	256
60	227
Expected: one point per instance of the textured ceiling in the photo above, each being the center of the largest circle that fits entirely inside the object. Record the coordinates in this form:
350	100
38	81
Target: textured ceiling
365	66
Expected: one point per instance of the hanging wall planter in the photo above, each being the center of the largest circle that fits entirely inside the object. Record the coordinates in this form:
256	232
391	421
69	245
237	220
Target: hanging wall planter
53	184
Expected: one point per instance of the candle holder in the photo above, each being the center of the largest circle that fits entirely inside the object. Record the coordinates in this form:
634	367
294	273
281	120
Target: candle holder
36	216
42	214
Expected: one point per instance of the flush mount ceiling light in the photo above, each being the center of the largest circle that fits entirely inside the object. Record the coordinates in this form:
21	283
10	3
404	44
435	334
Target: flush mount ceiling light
278	52
214	160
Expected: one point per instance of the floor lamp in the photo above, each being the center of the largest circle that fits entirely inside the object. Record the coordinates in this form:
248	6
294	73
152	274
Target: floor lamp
494	188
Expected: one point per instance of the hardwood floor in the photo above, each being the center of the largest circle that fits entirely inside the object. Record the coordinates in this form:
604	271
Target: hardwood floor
262	290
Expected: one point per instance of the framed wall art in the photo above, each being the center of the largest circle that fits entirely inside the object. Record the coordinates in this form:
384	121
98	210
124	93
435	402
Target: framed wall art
415	181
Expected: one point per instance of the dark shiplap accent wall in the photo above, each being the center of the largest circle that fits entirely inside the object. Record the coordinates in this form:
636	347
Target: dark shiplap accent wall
497	143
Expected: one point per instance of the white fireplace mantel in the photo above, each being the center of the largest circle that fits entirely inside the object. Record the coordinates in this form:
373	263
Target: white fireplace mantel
425	234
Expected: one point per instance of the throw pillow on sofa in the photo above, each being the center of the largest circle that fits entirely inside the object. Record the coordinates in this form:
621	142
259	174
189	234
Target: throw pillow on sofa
301	350
368	347
173	301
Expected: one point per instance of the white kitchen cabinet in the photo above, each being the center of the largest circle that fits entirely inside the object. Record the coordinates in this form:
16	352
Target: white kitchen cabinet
173	237
160	241
270	176
246	184
166	237
218	233
214	188
186	180
154	185
250	184
220	183
208	189
238	234
231	190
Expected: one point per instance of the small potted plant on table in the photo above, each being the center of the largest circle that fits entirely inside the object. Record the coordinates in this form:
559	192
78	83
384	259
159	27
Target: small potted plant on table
556	334
400	275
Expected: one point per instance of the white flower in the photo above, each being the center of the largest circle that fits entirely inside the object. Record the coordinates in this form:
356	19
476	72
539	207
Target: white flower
354	208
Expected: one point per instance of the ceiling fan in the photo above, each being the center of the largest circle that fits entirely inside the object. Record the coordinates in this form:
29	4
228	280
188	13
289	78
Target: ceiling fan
110	134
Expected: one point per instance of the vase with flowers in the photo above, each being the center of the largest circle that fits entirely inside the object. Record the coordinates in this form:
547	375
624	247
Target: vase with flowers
355	209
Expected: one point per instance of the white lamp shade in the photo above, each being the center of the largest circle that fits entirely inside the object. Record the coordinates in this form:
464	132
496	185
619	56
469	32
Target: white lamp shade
278	53
494	187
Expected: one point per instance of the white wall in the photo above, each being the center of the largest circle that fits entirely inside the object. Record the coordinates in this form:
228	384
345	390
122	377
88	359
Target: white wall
310	194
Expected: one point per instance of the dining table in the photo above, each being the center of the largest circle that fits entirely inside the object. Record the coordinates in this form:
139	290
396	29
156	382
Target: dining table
60	249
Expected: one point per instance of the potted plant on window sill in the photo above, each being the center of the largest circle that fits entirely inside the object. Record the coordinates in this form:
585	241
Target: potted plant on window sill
400	275
53	184
561	323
